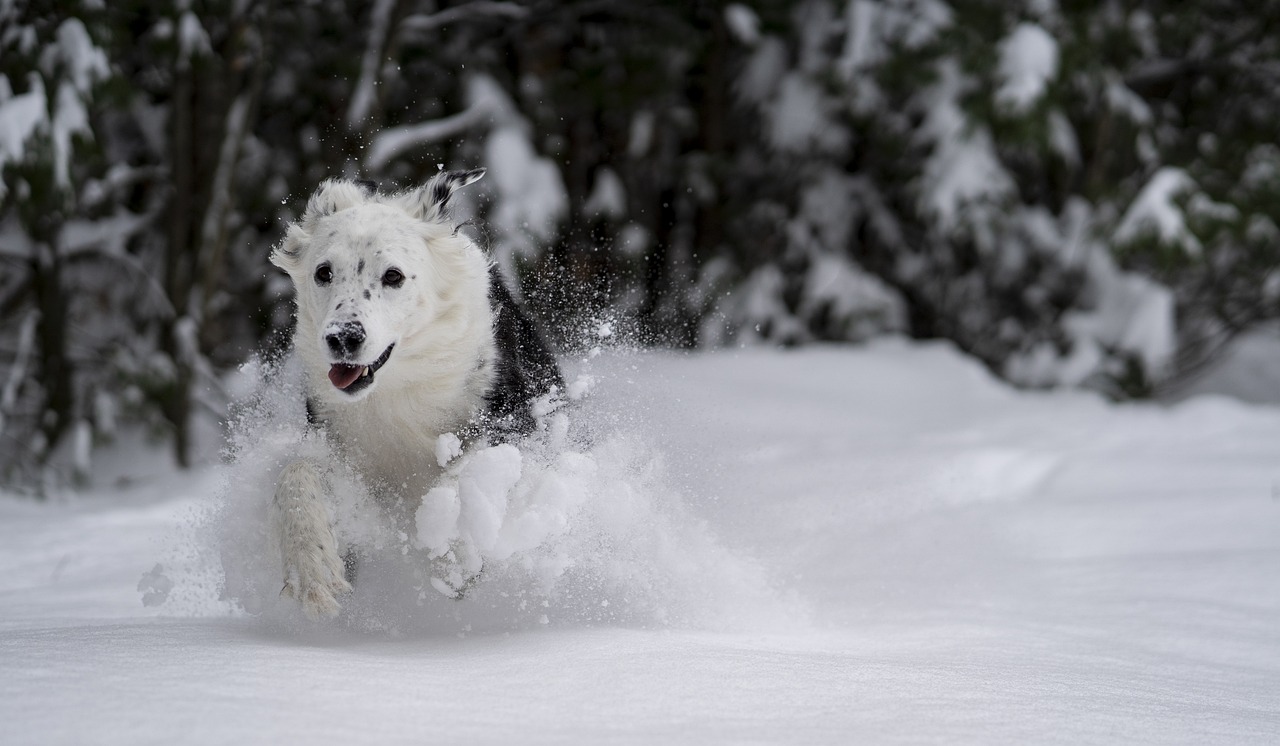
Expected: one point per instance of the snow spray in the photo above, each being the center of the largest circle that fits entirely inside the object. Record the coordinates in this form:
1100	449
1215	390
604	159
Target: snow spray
579	524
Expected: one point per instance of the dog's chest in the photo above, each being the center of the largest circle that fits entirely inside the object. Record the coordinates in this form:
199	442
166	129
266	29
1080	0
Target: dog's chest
393	443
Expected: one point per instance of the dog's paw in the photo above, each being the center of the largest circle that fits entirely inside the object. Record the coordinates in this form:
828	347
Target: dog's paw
316	582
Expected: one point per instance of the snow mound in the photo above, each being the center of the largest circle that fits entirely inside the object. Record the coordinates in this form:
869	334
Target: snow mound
579	524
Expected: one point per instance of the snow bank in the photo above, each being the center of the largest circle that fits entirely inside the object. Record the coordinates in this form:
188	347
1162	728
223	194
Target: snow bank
983	565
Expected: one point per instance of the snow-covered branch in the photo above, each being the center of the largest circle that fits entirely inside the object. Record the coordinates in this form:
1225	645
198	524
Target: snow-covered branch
394	141
380	33
106	235
362	97
424	22
105	239
15	244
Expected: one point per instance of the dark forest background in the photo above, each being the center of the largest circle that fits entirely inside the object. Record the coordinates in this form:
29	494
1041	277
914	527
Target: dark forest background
1077	194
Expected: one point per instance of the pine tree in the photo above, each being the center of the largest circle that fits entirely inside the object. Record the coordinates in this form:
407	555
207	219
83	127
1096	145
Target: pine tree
58	216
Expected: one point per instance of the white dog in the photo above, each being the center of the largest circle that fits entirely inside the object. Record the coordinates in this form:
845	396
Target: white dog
405	332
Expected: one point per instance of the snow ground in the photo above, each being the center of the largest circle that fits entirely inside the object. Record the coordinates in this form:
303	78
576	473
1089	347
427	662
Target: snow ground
951	561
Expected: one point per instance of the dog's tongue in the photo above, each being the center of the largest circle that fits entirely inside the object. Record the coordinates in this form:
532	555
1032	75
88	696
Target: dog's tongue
342	375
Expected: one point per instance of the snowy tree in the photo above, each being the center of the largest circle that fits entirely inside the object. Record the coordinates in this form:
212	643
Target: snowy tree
59	226
1076	194
1018	178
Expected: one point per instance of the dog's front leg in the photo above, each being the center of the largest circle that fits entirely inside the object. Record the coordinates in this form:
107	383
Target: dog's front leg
313	570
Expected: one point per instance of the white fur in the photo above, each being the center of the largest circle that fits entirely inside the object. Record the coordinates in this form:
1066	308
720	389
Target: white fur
434	381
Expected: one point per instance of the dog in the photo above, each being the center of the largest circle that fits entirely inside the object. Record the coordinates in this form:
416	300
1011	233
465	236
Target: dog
405	332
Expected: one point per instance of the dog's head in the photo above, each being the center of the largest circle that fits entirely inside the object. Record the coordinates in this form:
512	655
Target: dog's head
372	272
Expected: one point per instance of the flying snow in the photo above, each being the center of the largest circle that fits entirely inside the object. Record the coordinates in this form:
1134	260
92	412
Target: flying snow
581	523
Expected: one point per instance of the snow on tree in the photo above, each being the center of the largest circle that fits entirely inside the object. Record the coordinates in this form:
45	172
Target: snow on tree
52	70
1074	194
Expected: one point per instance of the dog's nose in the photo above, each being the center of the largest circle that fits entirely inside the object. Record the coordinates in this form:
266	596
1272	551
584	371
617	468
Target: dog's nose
345	339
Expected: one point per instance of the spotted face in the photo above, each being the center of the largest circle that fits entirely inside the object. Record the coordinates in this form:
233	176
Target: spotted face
364	287
370	272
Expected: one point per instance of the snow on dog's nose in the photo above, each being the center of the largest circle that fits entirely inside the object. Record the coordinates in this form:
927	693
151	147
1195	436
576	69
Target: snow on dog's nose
344	339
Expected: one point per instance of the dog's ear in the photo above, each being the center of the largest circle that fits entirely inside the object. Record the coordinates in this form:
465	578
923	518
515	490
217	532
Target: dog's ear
334	195
431	200
331	196
288	255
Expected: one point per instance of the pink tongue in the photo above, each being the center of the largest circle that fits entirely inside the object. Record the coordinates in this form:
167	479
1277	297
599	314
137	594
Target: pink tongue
343	376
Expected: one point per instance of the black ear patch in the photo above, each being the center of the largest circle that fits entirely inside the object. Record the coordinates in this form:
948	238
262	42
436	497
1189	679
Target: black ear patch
435	194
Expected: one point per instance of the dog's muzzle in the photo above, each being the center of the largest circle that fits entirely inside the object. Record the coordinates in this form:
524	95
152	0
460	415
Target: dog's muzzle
353	379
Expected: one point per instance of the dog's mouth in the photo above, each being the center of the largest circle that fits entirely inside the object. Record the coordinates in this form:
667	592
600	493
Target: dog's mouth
353	379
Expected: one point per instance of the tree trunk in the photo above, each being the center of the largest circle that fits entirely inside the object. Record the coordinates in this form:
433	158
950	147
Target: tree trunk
55	368
175	398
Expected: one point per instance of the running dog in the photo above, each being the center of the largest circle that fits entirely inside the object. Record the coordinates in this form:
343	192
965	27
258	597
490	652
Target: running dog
405	332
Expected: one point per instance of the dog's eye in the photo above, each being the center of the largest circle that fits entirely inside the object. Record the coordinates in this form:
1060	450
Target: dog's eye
324	274
393	278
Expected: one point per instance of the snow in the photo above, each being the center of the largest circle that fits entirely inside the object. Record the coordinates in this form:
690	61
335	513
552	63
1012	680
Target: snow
70	119
20	117
963	169
1124	317
531	198
860	302
757	309
1247	369
81	65
1155	212
193	40
861	48
393	142
1063	140
799	118
363	94
1028	64
1131	313
608	196
423	23
82	62
1125	102
763	72
875	544
532	194
743	23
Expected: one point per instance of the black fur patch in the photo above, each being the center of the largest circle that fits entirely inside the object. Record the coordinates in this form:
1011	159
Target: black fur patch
444	184
524	369
440	193
313	415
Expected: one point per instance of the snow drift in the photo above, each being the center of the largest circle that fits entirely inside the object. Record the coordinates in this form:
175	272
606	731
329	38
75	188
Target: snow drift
979	565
